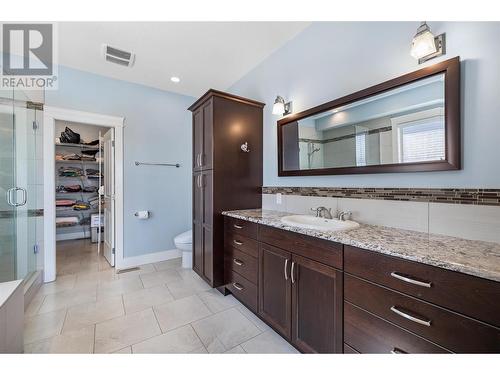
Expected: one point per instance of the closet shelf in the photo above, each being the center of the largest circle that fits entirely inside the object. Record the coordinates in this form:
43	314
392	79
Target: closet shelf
79	146
78	162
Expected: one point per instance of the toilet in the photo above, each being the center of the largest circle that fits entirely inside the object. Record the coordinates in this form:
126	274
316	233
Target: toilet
184	242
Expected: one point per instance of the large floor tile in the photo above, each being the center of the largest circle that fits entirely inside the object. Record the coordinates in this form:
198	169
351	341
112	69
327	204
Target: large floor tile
168	264
236	350
118	333
75	342
268	342
187	287
180	312
68	298
43	326
127	350
253	318
180	340
145	298
141	270
216	301
118	287
61	284
160	278
230	327
91	313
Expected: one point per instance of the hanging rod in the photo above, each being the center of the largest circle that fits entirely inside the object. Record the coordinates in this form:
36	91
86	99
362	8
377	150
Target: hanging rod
160	164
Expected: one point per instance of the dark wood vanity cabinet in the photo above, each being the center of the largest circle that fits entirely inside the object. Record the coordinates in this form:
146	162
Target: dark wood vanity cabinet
325	297
225	177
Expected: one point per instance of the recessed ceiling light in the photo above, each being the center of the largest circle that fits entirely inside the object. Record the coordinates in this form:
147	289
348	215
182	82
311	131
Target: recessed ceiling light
175	79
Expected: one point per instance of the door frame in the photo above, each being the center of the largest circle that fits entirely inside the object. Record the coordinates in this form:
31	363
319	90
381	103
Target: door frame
50	115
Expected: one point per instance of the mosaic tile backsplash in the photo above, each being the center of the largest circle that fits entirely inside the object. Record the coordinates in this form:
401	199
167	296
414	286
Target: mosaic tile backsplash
485	197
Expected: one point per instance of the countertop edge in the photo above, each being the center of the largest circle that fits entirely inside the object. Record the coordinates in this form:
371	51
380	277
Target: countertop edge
484	274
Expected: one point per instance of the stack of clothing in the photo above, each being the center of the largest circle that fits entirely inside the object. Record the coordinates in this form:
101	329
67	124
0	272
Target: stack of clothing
90	189
65	202
81	206
93	173
70	172
68	189
94	202
75	157
67	221
69	136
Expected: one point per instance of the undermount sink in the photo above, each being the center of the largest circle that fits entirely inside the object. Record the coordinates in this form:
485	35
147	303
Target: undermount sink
318	223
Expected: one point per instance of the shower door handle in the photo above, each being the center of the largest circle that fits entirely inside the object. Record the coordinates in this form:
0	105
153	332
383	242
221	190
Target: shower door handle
14	203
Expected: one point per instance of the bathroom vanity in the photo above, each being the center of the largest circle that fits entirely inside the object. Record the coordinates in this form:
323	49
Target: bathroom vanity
367	290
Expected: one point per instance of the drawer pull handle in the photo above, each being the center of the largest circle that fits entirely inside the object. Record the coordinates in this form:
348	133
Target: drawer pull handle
398	351
237	243
405	315
237	226
286	269
238	262
410	280
291	272
238	286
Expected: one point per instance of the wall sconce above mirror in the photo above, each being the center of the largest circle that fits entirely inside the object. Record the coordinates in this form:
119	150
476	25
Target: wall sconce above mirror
425	45
408	124
280	107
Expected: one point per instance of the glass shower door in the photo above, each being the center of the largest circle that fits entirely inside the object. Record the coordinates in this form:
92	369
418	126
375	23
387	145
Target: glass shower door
7	181
19	184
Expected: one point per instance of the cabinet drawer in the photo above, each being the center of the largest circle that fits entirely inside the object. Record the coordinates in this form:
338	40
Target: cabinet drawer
446	328
243	227
323	251
462	293
242	243
241	263
243	290
367	333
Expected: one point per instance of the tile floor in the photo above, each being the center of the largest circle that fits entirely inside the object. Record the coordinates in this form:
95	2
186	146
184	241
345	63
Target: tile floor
160	308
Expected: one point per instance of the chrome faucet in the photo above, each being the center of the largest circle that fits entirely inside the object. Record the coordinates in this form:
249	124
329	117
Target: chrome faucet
323	212
343	214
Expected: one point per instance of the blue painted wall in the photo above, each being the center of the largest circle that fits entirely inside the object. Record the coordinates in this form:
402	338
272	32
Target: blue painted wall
329	60
157	128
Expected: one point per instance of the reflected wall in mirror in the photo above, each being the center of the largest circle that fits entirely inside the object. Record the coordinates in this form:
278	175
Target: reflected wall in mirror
410	123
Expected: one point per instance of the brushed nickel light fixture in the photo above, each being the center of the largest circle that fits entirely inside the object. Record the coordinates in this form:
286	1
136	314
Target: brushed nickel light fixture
425	45
280	107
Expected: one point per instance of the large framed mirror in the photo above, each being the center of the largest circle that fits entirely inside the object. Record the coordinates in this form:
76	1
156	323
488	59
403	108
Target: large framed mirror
408	124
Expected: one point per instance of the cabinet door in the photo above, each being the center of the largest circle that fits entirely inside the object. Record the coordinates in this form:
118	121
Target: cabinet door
275	288
316	306
197	139
208	257
197	223
208	130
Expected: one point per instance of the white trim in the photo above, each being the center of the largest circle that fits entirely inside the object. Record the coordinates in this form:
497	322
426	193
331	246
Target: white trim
50	115
149	258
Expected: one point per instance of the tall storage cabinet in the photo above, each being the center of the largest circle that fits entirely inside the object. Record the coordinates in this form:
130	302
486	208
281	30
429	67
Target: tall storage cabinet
226	176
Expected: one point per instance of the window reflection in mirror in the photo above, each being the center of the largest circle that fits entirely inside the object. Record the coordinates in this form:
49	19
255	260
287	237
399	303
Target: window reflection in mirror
402	125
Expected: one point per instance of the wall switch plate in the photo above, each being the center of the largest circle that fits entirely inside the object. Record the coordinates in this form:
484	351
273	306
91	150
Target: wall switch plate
278	198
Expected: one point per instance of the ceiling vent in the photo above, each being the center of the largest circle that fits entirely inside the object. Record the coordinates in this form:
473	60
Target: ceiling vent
118	56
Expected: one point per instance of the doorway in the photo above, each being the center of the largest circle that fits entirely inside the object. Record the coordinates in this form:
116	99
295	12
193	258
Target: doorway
83	194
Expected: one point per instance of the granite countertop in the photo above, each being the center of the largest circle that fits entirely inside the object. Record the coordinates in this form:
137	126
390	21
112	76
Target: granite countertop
477	258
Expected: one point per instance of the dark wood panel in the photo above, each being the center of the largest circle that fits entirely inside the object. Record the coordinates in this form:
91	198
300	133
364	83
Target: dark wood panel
208	188
450	68
368	333
243	290
316	306
208	133
242	227
444	327
327	252
469	295
242	263
275	289
198	248
349	350
197	139
208	254
242	243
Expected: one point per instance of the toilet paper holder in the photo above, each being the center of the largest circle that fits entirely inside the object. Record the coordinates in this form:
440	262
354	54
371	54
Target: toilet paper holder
142	214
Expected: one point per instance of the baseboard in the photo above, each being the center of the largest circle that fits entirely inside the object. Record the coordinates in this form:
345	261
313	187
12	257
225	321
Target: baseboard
148	258
31	287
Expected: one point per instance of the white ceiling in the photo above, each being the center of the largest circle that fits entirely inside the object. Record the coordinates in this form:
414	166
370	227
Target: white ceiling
202	54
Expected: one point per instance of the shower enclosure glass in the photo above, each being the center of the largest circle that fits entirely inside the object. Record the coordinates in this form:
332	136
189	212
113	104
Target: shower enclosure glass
20	183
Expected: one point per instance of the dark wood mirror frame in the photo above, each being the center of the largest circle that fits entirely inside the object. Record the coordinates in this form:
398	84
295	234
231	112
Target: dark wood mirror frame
450	68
